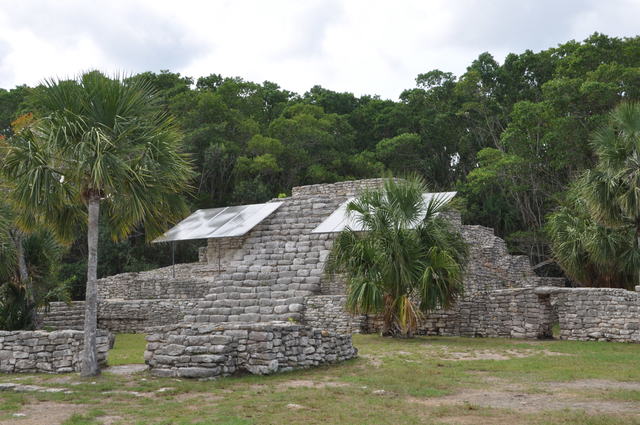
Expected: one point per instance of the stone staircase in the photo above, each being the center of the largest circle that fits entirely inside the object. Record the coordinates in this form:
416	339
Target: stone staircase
282	263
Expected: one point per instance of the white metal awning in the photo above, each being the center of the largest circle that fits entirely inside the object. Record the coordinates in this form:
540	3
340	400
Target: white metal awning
219	222
340	219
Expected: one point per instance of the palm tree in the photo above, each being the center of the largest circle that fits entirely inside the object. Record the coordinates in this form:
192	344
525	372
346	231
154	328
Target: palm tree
612	189
104	147
29	263
589	253
407	261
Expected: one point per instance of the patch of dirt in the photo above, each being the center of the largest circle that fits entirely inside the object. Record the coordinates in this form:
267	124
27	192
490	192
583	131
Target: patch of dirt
294	406
599	384
109	420
126	369
516	397
196	396
19	388
302	383
478	420
131	393
495	355
46	412
372	360
64	379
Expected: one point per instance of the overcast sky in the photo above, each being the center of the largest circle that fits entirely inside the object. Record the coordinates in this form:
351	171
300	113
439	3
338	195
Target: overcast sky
361	46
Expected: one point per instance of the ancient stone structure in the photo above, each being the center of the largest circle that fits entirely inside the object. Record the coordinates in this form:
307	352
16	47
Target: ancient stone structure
275	273
594	314
51	352
194	350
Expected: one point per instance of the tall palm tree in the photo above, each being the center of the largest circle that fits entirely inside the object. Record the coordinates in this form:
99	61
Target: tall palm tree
612	189
407	261
104	147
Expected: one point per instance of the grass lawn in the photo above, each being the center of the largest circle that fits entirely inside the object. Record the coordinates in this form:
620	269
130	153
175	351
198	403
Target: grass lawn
420	381
128	349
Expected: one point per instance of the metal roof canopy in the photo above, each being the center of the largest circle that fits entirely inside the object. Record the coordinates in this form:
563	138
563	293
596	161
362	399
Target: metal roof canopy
340	219
222	222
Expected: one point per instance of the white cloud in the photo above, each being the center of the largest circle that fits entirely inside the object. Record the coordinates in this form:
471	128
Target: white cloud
363	46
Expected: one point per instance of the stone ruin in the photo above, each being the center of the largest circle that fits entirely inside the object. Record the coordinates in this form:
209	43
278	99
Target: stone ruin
262	302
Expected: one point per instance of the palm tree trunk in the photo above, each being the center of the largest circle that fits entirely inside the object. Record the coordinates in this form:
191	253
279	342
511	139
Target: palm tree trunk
18	239
89	354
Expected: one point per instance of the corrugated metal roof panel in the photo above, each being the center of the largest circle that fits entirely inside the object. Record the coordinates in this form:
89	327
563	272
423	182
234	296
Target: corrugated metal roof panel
219	222
340	219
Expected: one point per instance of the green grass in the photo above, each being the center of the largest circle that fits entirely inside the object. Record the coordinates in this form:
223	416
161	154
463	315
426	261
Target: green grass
414	374
128	349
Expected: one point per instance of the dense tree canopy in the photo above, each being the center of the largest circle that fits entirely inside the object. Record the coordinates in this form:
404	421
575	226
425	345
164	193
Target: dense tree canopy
510	137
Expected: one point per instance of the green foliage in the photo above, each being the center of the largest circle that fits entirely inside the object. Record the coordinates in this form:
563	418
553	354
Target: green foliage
402	264
510	136
19	299
29	268
101	137
596	238
589	253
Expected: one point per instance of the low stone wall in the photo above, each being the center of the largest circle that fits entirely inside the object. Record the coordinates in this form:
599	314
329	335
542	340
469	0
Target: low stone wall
505	313
222	349
50	352
328	312
595	314
154	285
129	316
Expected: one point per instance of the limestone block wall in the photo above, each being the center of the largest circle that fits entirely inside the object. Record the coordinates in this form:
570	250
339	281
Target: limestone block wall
505	313
60	315
222	251
490	266
509	313
158	284
596	314
211	350
116	315
49	352
328	312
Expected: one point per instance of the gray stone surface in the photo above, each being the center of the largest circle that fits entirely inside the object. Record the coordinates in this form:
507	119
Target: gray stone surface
49	352
208	351
116	315
595	314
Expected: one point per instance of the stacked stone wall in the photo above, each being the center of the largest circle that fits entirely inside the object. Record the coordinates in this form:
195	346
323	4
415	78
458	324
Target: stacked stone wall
212	350
222	251
49	352
189	283
509	313
60	315
129	316
595	314
328	312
